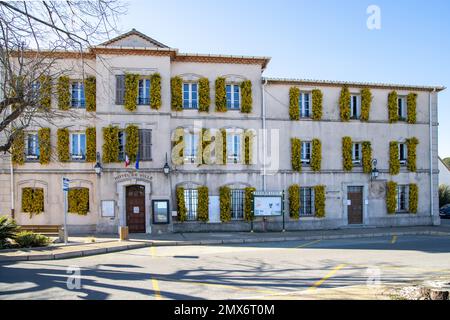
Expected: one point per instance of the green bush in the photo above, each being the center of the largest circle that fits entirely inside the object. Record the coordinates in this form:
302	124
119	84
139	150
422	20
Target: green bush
221	96
28	239
444	195
344	104
294	111
225	203
248	205
8	230
294	201
203	202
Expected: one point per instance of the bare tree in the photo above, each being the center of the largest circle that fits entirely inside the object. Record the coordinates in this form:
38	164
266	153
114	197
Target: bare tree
35	37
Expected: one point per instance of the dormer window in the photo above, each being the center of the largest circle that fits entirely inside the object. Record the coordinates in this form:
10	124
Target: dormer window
355	106
402	108
233	96
190	95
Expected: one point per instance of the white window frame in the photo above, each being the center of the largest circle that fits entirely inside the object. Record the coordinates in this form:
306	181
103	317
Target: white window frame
303	201
234	145
405	187
191	141
145	98
80	99
190	98
77	157
405	153
232	100
302	106
34	155
122	137
356	156
402	113
358	106
304	155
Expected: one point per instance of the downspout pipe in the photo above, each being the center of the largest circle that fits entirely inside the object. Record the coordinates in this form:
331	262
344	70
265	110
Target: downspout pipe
430	112
264	133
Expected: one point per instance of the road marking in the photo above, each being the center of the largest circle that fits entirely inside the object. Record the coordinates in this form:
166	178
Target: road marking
329	275
308	244
153	251
155	284
394	239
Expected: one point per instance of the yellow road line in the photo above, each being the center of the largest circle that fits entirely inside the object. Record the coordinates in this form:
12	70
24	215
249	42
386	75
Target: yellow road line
308	244
329	275
394	239
155	284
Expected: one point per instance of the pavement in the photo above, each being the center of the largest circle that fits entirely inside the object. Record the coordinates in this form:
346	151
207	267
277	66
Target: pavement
85	245
358	268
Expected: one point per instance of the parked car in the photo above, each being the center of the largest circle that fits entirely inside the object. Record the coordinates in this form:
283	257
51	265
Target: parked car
444	212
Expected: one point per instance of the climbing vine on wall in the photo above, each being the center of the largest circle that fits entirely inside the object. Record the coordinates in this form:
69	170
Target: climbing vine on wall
32	201
347	146
221	97
18	148
176	89
204	98
344	104
296	151
248	205
155	91
394	162
246	96
248	146
294	110
294	201
411	101
319	201
391	197
91	144
182	212
45	148
132	142
366	101
45	92
206	149
413	197
203	203
63	93
178	146
78	201
316	155
225	203
393	106
62	147
131	91
367	157
90	87
412	153
110	144
317	98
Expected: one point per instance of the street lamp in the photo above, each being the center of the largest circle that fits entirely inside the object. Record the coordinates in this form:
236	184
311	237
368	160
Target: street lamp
166	168
374	174
98	167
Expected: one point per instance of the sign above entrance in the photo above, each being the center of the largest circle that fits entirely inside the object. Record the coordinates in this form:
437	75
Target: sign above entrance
133	175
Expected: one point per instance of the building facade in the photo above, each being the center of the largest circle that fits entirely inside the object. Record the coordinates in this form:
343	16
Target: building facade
184	139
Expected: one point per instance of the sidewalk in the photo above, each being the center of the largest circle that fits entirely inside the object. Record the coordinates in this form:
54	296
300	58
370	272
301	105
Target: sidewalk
79	246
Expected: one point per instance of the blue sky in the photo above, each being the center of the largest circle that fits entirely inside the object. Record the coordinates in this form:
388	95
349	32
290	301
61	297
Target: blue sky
320	39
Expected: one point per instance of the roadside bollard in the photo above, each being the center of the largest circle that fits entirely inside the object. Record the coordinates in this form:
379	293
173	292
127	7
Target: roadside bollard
123	233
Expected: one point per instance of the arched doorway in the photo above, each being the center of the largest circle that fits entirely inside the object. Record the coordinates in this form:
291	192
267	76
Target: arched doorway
135	208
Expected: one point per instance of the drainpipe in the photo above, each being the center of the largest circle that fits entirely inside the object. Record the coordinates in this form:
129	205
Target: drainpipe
431	155
11	168
264	133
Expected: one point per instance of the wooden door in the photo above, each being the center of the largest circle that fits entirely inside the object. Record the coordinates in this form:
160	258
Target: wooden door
135	199
355	208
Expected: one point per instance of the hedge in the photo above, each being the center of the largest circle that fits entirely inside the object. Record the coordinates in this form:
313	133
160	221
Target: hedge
110	144
393	106
221	96
394	162
176	89
411	101
132	142
78	201
296	154
131	91
182	211
248	147
221	145
63	93
203	204
45	92
294	110
90	89
413	197
246	96
62	147
225	204
18	148
32	201
316	156
178	147
155	91
412	154
294	201
317	98
248	204
319	201
366	101
367	157
344	104
204	98
45	147
91	144
391	197
347	146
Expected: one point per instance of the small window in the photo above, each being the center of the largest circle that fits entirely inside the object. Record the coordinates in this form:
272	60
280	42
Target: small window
190	147
355	106
32	146
78	99
356	153
191	202
35	89
144	92
234	147
237	204
402	153
305	104
402	198
233	92
120	89
306	152
402	108
190	96
122	138
306	201
78	146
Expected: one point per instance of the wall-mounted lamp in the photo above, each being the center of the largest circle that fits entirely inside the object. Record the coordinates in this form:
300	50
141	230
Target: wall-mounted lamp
166	168
374	174
98	167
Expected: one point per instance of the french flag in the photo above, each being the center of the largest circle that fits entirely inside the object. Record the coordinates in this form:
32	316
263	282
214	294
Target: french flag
127	161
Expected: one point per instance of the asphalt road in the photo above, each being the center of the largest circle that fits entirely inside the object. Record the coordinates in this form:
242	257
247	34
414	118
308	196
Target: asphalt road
331	269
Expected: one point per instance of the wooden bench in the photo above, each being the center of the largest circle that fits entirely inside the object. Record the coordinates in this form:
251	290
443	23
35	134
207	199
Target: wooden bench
43	229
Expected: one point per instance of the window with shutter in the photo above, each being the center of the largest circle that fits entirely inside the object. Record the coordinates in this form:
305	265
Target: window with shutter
120	89
145	144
